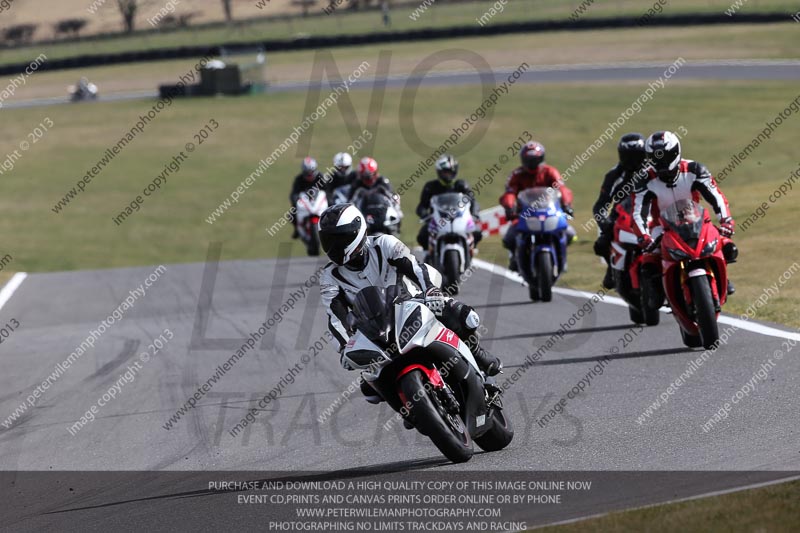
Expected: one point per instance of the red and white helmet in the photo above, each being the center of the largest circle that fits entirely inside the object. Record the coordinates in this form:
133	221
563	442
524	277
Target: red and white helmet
309	168
368	171
532	155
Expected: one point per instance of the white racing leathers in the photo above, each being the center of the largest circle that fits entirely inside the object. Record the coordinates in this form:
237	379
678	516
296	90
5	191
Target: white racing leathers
389	261
693	177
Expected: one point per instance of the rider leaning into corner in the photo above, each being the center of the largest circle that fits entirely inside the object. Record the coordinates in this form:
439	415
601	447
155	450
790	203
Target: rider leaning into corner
671	178
446	172
309	178
359	261
368	178
532	173
618	186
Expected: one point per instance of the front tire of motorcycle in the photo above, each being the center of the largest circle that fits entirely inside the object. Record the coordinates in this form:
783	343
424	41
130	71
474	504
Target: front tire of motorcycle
501	434
705	312
544	276
313	243
451	272
691	341
454	443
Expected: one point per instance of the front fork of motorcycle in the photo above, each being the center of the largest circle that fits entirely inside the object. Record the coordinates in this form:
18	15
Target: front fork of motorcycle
448	399
494	394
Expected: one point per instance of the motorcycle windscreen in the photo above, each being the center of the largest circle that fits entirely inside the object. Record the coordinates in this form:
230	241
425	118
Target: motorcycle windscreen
377	208
685	217
450	205
373	316
539	198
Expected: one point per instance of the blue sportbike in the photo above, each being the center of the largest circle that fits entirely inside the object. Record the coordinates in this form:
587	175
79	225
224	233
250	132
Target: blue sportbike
541	240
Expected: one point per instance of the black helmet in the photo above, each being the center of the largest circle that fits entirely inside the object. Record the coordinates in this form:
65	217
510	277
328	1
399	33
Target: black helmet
532	155
446	169
343	233
664	154
631	151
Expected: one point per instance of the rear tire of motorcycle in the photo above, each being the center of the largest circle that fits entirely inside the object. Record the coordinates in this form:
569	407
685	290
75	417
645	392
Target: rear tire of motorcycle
651	315
636	315
456	446
544	276
451	272
501	434
313	244
705	312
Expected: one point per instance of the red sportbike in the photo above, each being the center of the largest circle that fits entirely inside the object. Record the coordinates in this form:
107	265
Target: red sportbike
637	276
695	274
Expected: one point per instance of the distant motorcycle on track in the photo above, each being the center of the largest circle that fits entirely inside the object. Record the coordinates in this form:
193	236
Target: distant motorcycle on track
452	242
82	91
541	240
308	210
341	195
382	210
636	275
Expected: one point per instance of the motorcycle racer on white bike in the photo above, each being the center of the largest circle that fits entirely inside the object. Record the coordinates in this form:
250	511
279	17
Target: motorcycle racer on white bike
359	261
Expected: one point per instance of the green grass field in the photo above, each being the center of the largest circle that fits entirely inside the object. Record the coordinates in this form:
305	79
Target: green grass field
772	508
170	226
340	22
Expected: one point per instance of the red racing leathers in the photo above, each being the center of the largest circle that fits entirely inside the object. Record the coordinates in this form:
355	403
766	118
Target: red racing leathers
543	176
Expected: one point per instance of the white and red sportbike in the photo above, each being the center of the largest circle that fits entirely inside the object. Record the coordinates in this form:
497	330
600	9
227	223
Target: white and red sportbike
308	210
425	372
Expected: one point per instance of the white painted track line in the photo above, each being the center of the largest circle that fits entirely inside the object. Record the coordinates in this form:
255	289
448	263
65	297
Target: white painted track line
13	284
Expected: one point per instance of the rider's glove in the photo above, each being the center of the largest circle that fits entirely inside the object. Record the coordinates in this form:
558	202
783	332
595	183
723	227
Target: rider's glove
569	211
726	227
509	202
646	242
434	300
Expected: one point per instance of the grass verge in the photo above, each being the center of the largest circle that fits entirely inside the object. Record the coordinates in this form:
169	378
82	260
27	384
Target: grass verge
772	508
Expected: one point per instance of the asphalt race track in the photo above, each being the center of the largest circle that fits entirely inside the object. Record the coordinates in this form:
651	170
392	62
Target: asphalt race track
597	433
691	70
